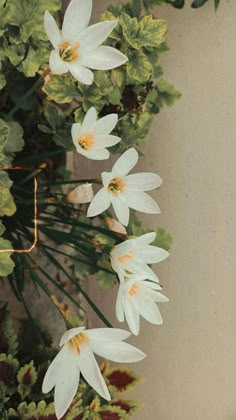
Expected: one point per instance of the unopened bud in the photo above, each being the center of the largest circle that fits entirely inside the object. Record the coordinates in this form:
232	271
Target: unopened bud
115	226
81	194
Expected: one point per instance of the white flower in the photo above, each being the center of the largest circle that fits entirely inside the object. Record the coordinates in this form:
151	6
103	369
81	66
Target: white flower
77	356
93	136
81	194
134	255
137	296
77	48
124	191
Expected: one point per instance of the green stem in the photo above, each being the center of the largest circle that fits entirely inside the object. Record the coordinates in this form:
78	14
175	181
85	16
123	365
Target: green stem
17	106
90	302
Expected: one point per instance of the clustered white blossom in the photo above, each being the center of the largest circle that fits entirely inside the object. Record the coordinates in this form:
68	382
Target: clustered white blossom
77	49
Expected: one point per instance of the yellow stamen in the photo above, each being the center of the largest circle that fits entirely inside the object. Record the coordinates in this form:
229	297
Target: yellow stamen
116	186
133	290
87	141
76	341
125	257
69	52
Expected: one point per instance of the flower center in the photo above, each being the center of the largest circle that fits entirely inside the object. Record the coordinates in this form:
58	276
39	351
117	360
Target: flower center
87	141
68	52
76	342
125	257
133	290
116	186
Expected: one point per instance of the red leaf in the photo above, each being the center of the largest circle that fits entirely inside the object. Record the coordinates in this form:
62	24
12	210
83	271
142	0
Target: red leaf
121	379
108	415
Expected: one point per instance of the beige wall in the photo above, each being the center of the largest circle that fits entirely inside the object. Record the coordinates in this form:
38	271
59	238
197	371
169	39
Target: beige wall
190	369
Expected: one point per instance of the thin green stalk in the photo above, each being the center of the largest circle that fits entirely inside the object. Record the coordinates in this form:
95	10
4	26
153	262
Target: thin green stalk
90	302
77	259
76	181
62	290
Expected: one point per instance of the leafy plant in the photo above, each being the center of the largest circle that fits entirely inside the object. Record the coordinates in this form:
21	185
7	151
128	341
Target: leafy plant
21	373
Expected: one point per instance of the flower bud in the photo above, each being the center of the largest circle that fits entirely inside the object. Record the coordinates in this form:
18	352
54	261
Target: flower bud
81	194
115	226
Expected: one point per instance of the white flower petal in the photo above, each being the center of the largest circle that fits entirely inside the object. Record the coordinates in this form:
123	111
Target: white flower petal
100	203
75	133
89	121
142	181
149	311
119	306
53	371
107	334
56	65
132	314
52	29
125	163
146	239
95	35
76	19
117	351
156	296
151	285
80	73
107	140
100	154
68	335
106	178
151	254
67	384
136	266
91	372
141	201
103	58
106	125
121	210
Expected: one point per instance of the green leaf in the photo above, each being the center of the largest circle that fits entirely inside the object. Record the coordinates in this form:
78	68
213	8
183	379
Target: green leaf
7	205
198	3
139	68
130	27
217	2
148	33
167	93
6	263
163	240
106	280
2	228
152	32
32	411
178	4
2	81
34	60
28	16
61	89
11	141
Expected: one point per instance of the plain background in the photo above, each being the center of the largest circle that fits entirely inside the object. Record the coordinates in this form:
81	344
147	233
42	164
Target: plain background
190	371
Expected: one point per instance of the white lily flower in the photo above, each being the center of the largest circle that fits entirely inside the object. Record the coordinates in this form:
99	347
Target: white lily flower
81	194
134	255
77	356
138	296
77	47
93	136
125	191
